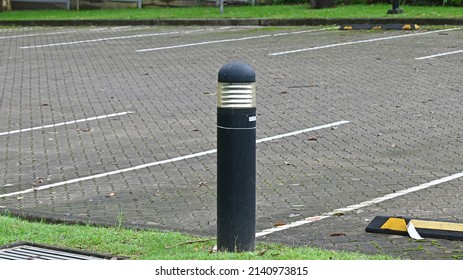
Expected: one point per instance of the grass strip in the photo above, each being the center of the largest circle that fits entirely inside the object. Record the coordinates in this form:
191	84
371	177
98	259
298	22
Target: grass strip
272	12
152	245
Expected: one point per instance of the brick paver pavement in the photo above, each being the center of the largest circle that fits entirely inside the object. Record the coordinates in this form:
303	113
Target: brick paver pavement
405	129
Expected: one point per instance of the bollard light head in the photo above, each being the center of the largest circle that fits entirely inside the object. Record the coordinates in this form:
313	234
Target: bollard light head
237	86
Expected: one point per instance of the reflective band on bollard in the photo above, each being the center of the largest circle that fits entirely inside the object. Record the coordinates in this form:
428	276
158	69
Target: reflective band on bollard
236	158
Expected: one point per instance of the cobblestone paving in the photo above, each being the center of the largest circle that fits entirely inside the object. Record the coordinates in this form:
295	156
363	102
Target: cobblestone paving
405	129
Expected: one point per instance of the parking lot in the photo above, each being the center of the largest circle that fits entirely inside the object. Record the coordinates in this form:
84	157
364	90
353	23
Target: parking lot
103	124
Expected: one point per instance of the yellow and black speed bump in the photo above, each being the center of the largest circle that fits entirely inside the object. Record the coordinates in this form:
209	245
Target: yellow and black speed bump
425	228
379	27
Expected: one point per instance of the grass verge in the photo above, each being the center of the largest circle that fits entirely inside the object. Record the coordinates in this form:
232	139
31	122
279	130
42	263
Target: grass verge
152	245
272	11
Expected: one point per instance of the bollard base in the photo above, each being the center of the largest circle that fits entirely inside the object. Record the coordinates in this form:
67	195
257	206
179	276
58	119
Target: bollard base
394	11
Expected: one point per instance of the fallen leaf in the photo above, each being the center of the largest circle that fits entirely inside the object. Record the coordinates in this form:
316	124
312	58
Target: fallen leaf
279	224
261	253
84	129
338	234
37	181
294	215
208	93
45	104
202	184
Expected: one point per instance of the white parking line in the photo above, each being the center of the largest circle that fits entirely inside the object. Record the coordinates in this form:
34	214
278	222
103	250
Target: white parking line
361	42
364	204
231	40
294	133
35	34
63	123
142	166
112	38
437	55
117	28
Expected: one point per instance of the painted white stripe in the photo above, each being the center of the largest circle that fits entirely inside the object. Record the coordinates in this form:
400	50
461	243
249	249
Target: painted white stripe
231	40
63	123
36	34
364	204
294	133
361	42
120	27
92	177
111	38
132	28
439	54
99	29
142	166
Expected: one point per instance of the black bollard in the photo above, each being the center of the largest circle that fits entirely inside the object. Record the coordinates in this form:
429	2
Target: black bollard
236	158
395	8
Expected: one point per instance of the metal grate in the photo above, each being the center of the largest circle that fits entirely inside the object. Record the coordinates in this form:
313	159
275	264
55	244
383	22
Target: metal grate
38	252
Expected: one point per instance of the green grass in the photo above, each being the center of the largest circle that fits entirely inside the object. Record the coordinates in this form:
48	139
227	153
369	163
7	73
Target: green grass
151	245
277	11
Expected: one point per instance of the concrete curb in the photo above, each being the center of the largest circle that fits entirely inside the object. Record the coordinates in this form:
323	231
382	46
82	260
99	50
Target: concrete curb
235	22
